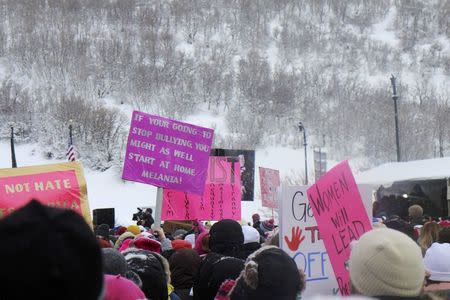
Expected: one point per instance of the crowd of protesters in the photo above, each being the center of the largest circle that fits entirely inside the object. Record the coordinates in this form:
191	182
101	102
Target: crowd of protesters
51	253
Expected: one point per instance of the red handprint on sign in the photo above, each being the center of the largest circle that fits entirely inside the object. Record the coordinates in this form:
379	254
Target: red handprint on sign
296	240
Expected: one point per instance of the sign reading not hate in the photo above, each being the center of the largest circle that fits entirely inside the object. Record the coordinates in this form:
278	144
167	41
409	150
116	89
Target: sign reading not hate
57	185
167	153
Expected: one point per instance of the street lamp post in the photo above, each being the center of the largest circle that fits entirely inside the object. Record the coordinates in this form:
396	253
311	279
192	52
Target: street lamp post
395	98
13	151
302	128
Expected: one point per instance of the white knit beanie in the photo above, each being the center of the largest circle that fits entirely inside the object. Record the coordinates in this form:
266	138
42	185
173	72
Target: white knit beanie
437	261
386	262
251	235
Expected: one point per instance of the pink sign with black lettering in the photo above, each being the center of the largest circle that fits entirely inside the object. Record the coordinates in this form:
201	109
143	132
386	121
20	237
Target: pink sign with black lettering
341	217
167	153
270	184
220	200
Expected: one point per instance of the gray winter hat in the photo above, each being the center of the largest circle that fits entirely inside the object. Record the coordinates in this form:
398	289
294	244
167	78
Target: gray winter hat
114	263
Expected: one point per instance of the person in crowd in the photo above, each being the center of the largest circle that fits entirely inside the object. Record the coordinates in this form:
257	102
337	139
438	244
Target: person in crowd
201	240
102	231
428	218
395	222
267	227
202	243
444	222
269	273
386	264
166	244
184	265
226	241
256	220
154	272
215	269
274	240
257	225
146	244
179	234
437	266
251	241
428	235
147	218
134	229
375	208
49	253
415	213
181	244
122	238
120	230
226	238
114	263
167	254
191	239
104	243
444	235
120	288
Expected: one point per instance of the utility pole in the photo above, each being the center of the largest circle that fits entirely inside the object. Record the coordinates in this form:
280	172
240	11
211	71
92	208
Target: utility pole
302	128
395	98
13	151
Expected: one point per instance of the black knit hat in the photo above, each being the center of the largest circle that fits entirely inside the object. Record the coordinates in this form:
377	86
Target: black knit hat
50	253
215	269
150	268
269	273
226	237
102	230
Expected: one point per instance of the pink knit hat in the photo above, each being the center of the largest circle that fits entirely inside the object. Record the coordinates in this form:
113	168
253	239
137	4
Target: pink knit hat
198	243
147	244
125	245
119	288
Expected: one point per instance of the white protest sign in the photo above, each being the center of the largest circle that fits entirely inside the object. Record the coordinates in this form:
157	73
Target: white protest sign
300	238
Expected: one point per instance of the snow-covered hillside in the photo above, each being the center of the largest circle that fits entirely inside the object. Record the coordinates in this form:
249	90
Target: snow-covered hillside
260	67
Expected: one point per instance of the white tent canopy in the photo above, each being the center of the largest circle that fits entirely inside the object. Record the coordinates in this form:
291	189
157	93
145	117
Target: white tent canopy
386	174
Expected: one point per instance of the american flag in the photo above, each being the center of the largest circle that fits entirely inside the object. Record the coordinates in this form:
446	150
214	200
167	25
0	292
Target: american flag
71	153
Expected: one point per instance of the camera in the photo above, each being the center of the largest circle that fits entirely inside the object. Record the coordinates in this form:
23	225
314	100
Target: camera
139	215
143	217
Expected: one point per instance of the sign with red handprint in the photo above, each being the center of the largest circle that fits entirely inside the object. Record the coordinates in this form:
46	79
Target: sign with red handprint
300	238
303	241
295	240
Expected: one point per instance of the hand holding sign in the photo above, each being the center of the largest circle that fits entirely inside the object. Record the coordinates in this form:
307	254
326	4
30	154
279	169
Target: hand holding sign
296	240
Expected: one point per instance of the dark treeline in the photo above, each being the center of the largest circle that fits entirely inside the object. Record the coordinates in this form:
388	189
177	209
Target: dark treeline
263	64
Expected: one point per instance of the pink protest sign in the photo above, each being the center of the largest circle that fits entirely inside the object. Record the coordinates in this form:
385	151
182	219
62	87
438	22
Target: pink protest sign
167	153
221	198
58	185
341	218
270	184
